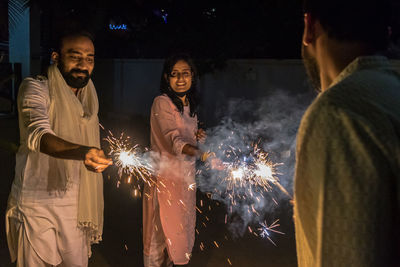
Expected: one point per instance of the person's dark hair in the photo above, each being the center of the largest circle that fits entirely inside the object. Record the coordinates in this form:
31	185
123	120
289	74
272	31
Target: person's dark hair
365	21
165	87
70	33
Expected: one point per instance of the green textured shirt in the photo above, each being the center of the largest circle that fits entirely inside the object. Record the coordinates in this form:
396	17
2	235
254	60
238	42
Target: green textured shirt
347	180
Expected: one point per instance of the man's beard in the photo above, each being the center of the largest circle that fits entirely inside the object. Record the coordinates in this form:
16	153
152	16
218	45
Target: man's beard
74	82
312	68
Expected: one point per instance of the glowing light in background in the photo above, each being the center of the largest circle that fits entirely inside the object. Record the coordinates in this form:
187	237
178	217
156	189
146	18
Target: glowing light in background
162	13
210	13
118	27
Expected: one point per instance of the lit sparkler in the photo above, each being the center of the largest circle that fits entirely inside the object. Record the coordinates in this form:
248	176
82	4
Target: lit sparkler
250	176
129	159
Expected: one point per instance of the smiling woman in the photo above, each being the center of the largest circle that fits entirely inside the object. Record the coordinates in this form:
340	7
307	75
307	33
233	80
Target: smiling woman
169	211
180	79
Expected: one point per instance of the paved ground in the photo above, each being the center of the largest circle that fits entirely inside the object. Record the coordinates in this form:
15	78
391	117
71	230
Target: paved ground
122	244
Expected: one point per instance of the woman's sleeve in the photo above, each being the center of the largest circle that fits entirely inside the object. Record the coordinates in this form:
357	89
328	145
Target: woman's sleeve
32	106
163	116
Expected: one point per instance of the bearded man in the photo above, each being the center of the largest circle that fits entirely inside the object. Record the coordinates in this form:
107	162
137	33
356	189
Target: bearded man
347	180
55	208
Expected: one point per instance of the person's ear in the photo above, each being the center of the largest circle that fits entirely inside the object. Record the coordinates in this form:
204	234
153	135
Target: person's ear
309	29
55	57
166	77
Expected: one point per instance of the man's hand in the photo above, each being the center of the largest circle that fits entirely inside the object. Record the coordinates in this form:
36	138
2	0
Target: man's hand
96	161
93	158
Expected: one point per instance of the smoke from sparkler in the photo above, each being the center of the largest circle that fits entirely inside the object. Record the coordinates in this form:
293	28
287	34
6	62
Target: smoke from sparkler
256	142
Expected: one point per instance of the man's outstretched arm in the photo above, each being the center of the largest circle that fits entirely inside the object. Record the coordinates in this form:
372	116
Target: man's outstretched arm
93	158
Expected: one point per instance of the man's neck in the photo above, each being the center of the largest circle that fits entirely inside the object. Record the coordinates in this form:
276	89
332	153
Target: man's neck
334	56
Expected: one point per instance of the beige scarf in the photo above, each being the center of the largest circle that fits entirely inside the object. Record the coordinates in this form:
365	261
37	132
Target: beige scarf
74	119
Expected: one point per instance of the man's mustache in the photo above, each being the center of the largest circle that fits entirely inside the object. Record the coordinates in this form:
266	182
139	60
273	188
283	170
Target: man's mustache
79	71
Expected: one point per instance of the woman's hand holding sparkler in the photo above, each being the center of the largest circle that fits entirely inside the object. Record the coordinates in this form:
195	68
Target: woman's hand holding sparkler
201	136
207	157
215	163
95	160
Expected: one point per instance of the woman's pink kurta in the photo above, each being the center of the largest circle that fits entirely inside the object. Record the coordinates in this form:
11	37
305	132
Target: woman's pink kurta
170	131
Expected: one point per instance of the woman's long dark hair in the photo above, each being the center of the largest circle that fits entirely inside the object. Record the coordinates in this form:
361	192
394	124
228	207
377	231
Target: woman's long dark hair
165	87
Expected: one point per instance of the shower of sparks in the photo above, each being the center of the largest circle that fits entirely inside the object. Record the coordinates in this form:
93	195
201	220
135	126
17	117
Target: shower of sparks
192	187
188	255
250	176
129	159
265	230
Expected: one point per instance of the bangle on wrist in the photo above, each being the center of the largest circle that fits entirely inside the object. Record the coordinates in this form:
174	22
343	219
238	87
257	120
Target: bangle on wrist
203	156
206	155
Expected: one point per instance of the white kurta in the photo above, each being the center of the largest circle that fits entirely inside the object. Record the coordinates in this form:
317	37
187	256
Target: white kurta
347	183
37	201
170	131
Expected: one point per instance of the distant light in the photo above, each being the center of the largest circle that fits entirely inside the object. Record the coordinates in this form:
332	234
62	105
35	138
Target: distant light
118	27
162	13
210	13
164	16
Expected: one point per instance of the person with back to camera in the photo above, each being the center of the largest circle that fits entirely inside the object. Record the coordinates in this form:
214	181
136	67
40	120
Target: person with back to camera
347	179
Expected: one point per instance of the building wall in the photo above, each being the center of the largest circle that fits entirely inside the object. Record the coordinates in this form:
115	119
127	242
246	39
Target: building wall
127	87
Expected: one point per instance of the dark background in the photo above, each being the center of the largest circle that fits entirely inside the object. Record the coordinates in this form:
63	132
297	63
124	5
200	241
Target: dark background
212	32
206	28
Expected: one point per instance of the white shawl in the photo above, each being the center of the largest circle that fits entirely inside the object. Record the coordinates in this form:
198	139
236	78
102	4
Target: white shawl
74	119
